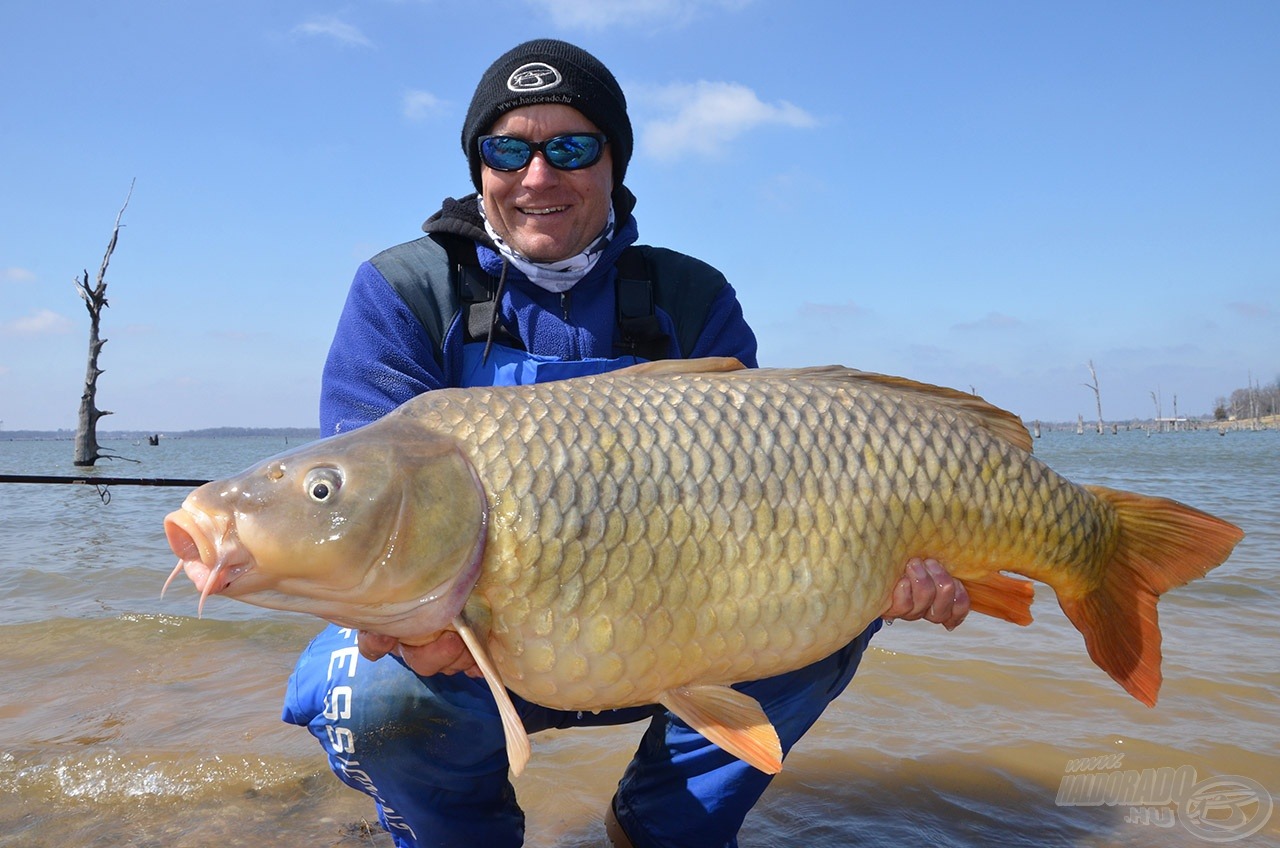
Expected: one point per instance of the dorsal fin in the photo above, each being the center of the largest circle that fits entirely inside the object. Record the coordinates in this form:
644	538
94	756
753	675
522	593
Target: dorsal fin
999	422
673	367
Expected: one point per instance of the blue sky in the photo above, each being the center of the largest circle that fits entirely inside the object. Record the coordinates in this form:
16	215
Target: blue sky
986	195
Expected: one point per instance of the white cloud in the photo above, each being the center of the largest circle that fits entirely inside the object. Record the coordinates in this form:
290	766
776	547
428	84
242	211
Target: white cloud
420	105
331	27
42	322
990	321
1254	309
703	116
599	14
843	314
16	275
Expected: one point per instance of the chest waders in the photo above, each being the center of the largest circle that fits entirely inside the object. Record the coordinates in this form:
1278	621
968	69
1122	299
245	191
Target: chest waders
440	279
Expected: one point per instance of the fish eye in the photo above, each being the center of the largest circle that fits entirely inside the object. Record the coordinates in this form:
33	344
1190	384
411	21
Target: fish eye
322	483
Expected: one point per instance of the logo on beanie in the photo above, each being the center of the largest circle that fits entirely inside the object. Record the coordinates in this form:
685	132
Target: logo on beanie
535	76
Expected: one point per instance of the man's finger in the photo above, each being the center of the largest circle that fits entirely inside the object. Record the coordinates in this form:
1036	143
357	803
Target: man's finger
911	594
944	592
374	646
445	655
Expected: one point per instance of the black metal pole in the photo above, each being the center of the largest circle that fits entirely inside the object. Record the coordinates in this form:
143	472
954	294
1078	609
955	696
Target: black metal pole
101	481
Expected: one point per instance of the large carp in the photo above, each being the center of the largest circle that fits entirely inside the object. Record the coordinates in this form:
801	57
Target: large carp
655	534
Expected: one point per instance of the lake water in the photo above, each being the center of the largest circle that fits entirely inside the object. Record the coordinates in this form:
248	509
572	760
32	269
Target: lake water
124	720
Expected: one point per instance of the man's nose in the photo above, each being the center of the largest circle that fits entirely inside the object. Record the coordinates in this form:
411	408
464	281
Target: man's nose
539	173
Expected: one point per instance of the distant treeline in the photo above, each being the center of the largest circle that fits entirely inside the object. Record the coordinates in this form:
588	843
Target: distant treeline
1256	401
299	434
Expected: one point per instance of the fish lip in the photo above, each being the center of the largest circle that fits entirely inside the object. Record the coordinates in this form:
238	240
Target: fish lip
190	536
208	551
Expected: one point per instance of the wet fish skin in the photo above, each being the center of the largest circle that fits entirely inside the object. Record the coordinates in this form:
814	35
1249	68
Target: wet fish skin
623	552
393	546
653	534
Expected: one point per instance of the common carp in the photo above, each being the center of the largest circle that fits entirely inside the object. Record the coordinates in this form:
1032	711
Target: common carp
655	534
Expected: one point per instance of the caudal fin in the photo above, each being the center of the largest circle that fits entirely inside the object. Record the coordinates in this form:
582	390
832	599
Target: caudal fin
1162	545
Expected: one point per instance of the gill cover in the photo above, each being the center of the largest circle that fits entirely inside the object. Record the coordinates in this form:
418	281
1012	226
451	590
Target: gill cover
440	532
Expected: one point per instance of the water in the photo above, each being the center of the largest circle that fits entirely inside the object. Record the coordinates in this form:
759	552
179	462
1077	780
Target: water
126	721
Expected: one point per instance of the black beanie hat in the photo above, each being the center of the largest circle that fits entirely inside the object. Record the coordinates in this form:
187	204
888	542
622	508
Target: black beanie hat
549	71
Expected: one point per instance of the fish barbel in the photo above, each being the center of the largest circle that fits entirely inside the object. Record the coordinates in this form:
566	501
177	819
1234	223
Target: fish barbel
655	534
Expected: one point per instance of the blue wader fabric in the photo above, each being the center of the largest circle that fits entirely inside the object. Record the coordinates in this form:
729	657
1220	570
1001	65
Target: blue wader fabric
431	752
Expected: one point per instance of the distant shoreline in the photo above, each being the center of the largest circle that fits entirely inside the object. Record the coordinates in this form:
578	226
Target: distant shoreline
1185	425
303	433
306	434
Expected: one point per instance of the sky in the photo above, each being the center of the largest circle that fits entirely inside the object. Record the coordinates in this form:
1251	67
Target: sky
984	195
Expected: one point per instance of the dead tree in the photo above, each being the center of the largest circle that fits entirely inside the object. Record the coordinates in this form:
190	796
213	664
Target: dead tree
1097	395
95	300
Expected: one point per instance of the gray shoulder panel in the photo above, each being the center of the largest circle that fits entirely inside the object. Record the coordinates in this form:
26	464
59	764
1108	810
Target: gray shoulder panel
419	272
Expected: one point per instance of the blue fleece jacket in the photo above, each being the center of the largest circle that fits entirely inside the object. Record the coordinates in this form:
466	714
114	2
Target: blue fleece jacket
381	356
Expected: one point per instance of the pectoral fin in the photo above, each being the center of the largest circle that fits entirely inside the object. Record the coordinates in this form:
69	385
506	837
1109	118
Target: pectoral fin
512	727
730	719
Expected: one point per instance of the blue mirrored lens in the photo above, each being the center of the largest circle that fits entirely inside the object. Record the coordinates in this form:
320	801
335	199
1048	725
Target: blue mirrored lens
566	152
504	153
570	152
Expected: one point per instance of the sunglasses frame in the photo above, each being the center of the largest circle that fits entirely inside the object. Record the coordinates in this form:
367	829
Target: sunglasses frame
541	147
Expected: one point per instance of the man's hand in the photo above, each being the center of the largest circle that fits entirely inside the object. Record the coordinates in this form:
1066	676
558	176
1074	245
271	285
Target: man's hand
444	654
927	591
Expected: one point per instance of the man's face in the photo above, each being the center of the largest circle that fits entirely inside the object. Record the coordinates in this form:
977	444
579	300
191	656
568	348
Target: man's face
543	213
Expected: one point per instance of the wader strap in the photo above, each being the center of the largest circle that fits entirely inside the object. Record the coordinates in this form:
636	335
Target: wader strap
477	293
639	332
438	276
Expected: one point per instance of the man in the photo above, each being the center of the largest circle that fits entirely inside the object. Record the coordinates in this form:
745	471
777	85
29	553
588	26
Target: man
524	283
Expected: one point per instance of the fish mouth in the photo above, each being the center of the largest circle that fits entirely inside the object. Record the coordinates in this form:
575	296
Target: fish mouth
208	550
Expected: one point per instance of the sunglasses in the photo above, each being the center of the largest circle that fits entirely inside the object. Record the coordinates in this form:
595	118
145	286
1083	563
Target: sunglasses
571	152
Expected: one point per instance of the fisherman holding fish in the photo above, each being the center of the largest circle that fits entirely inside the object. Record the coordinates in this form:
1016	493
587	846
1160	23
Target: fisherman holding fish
536	278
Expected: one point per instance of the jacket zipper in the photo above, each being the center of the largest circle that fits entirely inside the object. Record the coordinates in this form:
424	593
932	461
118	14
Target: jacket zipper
566	301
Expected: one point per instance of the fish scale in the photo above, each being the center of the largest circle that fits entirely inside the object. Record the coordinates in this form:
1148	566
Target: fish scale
654	534
709	538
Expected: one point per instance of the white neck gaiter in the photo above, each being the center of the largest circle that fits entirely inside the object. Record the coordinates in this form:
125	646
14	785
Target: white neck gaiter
559	276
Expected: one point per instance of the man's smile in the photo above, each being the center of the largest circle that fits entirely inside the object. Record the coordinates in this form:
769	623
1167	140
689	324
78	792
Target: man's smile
543	210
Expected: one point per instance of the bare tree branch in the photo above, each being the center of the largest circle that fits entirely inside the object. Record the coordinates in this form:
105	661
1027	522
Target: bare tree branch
95	300
1097	394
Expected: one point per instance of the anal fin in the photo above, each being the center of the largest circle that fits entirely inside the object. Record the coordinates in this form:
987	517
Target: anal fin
1001	596
730	719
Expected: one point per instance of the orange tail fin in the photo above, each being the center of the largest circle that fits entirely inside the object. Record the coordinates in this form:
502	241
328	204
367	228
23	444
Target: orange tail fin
1162	545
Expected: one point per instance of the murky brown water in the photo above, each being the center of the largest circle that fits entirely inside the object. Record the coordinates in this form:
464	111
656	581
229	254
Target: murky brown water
125	721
